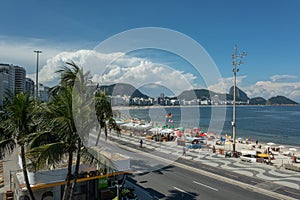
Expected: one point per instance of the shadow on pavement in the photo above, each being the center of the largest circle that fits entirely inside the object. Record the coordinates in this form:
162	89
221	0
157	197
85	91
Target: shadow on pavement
175	194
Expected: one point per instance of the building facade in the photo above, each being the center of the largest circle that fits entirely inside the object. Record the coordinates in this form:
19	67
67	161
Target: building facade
7	81
20	76
29	86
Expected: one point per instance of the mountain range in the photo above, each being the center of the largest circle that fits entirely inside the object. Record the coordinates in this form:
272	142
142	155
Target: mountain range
202	94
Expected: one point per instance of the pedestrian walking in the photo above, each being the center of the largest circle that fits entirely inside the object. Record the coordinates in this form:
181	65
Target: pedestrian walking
141	143
184	151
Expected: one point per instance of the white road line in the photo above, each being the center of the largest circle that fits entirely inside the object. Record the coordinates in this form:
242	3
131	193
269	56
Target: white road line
215	189
180	190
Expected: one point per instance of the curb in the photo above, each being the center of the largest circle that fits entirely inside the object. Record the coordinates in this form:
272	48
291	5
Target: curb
218	177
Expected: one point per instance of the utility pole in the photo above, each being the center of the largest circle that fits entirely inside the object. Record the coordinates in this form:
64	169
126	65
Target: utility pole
237	60
37	75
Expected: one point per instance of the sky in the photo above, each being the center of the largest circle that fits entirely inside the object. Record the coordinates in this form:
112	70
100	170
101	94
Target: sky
171	45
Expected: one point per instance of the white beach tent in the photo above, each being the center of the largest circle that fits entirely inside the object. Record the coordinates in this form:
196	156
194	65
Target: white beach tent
166	131
155	130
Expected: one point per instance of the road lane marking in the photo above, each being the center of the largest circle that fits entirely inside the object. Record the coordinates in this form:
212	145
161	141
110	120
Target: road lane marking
180	190
207	186
209	174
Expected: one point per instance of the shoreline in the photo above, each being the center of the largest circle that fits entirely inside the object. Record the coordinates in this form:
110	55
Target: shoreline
193	106
244	131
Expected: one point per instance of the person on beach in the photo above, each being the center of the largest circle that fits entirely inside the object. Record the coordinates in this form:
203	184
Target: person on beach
141	143
213	149
294	160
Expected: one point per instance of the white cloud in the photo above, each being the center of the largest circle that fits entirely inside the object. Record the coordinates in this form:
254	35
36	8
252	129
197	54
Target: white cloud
282	77
224	84
88	59
118	68
269	89
19	51
145	72
265	89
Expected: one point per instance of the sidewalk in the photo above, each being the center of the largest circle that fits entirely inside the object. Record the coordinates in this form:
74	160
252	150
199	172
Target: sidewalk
273	173
9	164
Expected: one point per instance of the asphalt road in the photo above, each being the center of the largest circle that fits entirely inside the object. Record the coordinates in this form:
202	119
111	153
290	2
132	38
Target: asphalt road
174	182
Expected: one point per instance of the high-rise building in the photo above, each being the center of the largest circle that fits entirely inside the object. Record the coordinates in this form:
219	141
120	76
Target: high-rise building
12	79
29	86
20	75
7	81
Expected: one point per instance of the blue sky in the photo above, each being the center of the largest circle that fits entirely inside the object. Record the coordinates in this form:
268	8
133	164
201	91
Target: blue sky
267	30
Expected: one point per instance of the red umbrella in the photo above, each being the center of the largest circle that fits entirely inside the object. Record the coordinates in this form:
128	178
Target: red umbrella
203	135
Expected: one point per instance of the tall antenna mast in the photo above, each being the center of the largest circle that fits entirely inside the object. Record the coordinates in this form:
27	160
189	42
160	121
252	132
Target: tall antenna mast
237	60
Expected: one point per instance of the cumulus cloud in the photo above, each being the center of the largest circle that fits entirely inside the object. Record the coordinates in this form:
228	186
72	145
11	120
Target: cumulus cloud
269	89
118	68
278	85
88	59
145	72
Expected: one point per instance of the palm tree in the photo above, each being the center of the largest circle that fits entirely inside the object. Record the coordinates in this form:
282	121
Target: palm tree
17	126
71	102
104	112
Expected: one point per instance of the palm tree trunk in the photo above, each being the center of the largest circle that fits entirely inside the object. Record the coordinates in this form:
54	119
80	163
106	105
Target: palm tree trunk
99	133
25	173
67	186
76	169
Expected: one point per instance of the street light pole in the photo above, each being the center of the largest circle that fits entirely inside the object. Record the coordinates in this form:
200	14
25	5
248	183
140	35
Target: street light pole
235	70
37	74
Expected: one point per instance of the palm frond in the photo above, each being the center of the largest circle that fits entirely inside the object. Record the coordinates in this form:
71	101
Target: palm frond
41	138
47	154
7	146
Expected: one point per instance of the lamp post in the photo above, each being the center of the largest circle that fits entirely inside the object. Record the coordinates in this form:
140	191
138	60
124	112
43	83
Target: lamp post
37	74
237	60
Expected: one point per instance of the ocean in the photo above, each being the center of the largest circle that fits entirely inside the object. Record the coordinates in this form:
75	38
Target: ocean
277	124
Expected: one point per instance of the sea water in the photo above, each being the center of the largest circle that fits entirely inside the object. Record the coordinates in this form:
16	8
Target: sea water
277	124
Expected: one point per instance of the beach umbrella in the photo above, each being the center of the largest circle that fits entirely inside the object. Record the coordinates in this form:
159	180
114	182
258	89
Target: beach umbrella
203	135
